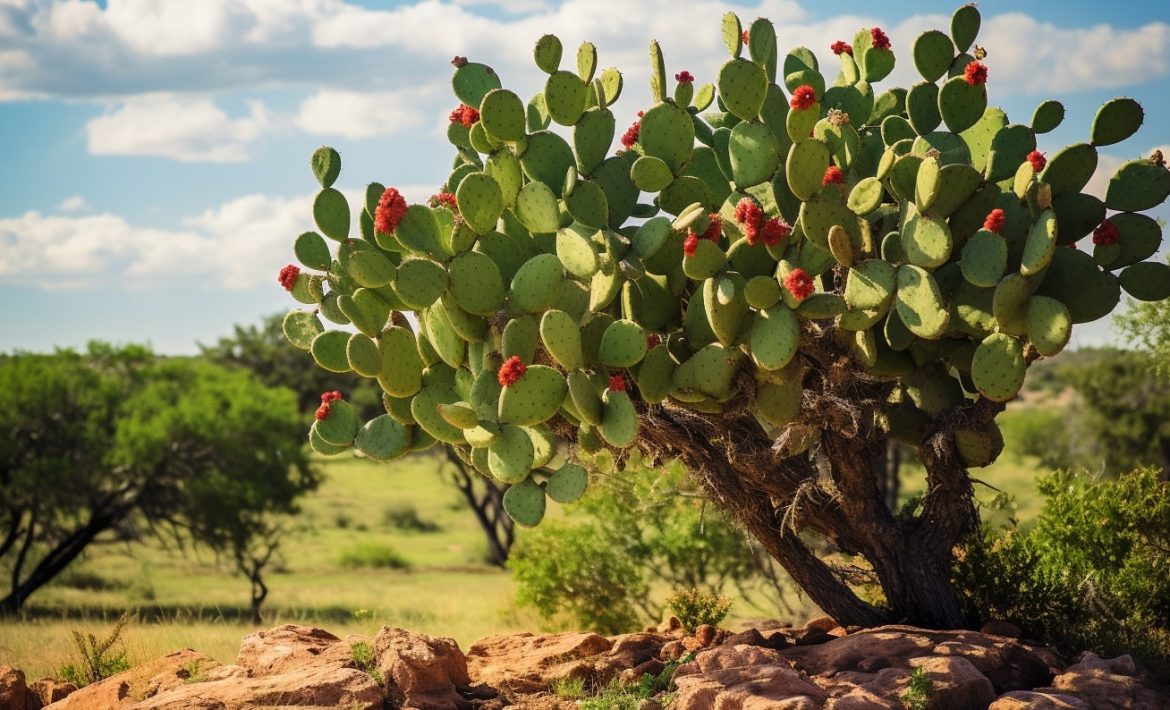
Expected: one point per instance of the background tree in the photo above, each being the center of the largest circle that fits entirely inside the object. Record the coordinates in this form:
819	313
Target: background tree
116	437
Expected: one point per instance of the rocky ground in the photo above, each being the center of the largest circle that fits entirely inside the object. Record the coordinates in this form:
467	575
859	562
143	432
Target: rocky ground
771	666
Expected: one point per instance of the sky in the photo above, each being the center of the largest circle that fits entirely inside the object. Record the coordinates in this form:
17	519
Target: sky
155	153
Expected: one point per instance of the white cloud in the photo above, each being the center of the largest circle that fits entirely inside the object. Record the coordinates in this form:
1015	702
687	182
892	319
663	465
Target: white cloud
510	6
76	203
181	128
353	114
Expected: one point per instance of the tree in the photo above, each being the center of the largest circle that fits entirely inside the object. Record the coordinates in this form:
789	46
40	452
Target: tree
116	437
818	275
267	354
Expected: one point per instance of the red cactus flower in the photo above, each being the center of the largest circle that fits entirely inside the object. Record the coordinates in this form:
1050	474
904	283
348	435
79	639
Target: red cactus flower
288	277
322	412
685	77
445	199
464	114
842	47
653	340
1106	234
799	284
751	217
330	397
691	244
510	371
617	383
880	40
776	231
804	97
641	114
994	220
975	74
391	209
630	137
714	228
1037	159
833	174
746	36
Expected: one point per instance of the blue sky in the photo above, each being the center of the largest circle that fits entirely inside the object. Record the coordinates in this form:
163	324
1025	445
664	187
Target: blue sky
155	152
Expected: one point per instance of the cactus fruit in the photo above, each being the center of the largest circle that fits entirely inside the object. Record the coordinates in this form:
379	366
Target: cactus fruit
722	257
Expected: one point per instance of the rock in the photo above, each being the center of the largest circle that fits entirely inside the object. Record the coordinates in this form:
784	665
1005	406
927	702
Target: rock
315	687
50	691
670	626
672	650
1008	665
632	650
812	637
1110	683
725	657
1032	700
139	683
824	623
706	634
14	694
955	683
420	671
529	663
751	637
288	647
743	677
1001	628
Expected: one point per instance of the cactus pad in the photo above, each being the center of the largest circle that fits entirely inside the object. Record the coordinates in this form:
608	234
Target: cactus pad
1138	185
511	454
998	367
1049	325
383	439
1116	120
1147	281
340	425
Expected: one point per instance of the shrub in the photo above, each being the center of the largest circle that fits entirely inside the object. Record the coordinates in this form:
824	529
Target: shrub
695	607
98	659
371	554
1093	571
366	660
404	516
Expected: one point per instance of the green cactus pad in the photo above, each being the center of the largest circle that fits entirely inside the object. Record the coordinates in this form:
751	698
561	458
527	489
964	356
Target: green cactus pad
1049	325
799	124
1138	185
1147	281
979	448
401	368
547	158
904	176
1116	120
536	208
965	26
805	167
476	283
425	409
481	202
870	284
588	205
418	231
524	503
326	164
459	414
732	34
1074	279
762	292
331	213
623	344
778	404
340	425
926	241
998	367
443	335
822	306
473	81
481	436
383	439
762	42
651	174
301	327
520	338
535	283
320	446
1139	237
576	250
895	128
562	338
922	106
1077	214
1070	169
725	305
586	61
1010	304
920	303
651	236
1040	244
754	153
565	96
742	87
708	260
933	53
312	251
592	137
328	349
960	104
984	258
774	337
619	421
503	115
534	398
585	398
1009	149
655	374
362	353
710	371
511	455
567	483
548	53
668	133
1048	116
420	282
366	265
865	197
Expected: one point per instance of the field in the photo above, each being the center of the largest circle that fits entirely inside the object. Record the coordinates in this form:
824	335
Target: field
189	599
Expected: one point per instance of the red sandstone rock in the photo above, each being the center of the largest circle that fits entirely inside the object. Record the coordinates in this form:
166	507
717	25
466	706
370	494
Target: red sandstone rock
139	683
1108	683
313	687
50	691
421	672
529	663
288	647
14	693
1031	700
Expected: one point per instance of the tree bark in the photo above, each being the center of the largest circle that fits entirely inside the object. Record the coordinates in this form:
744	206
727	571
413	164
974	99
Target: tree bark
489	512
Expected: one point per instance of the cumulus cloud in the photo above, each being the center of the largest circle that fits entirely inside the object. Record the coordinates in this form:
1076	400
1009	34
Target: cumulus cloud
354	114
76	203
181	128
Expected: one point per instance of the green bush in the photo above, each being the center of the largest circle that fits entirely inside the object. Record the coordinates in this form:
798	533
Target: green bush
1093	573
97	660
371	554
404	516
695	607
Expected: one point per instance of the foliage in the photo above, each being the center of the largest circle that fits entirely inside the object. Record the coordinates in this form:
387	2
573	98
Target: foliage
817	268
374	555
117	440
1092	573
638	527
98	659
194	672
404	516
615	696
917	694
569	687
695	607
366	659
1147	325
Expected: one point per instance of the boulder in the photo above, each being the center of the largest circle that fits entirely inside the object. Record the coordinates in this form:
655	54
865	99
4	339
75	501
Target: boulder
746	678
313	687
289	647
14	693
529	663
125	689
420	671
1108	683
955	683
50	691
1033	700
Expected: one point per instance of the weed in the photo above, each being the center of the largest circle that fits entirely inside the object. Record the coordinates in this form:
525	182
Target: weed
367	662
405	517
695	607
371	554
97	662
570	688
917	695
194	671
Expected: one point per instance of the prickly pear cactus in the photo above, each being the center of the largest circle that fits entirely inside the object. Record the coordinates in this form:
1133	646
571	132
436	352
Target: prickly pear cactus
563	283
